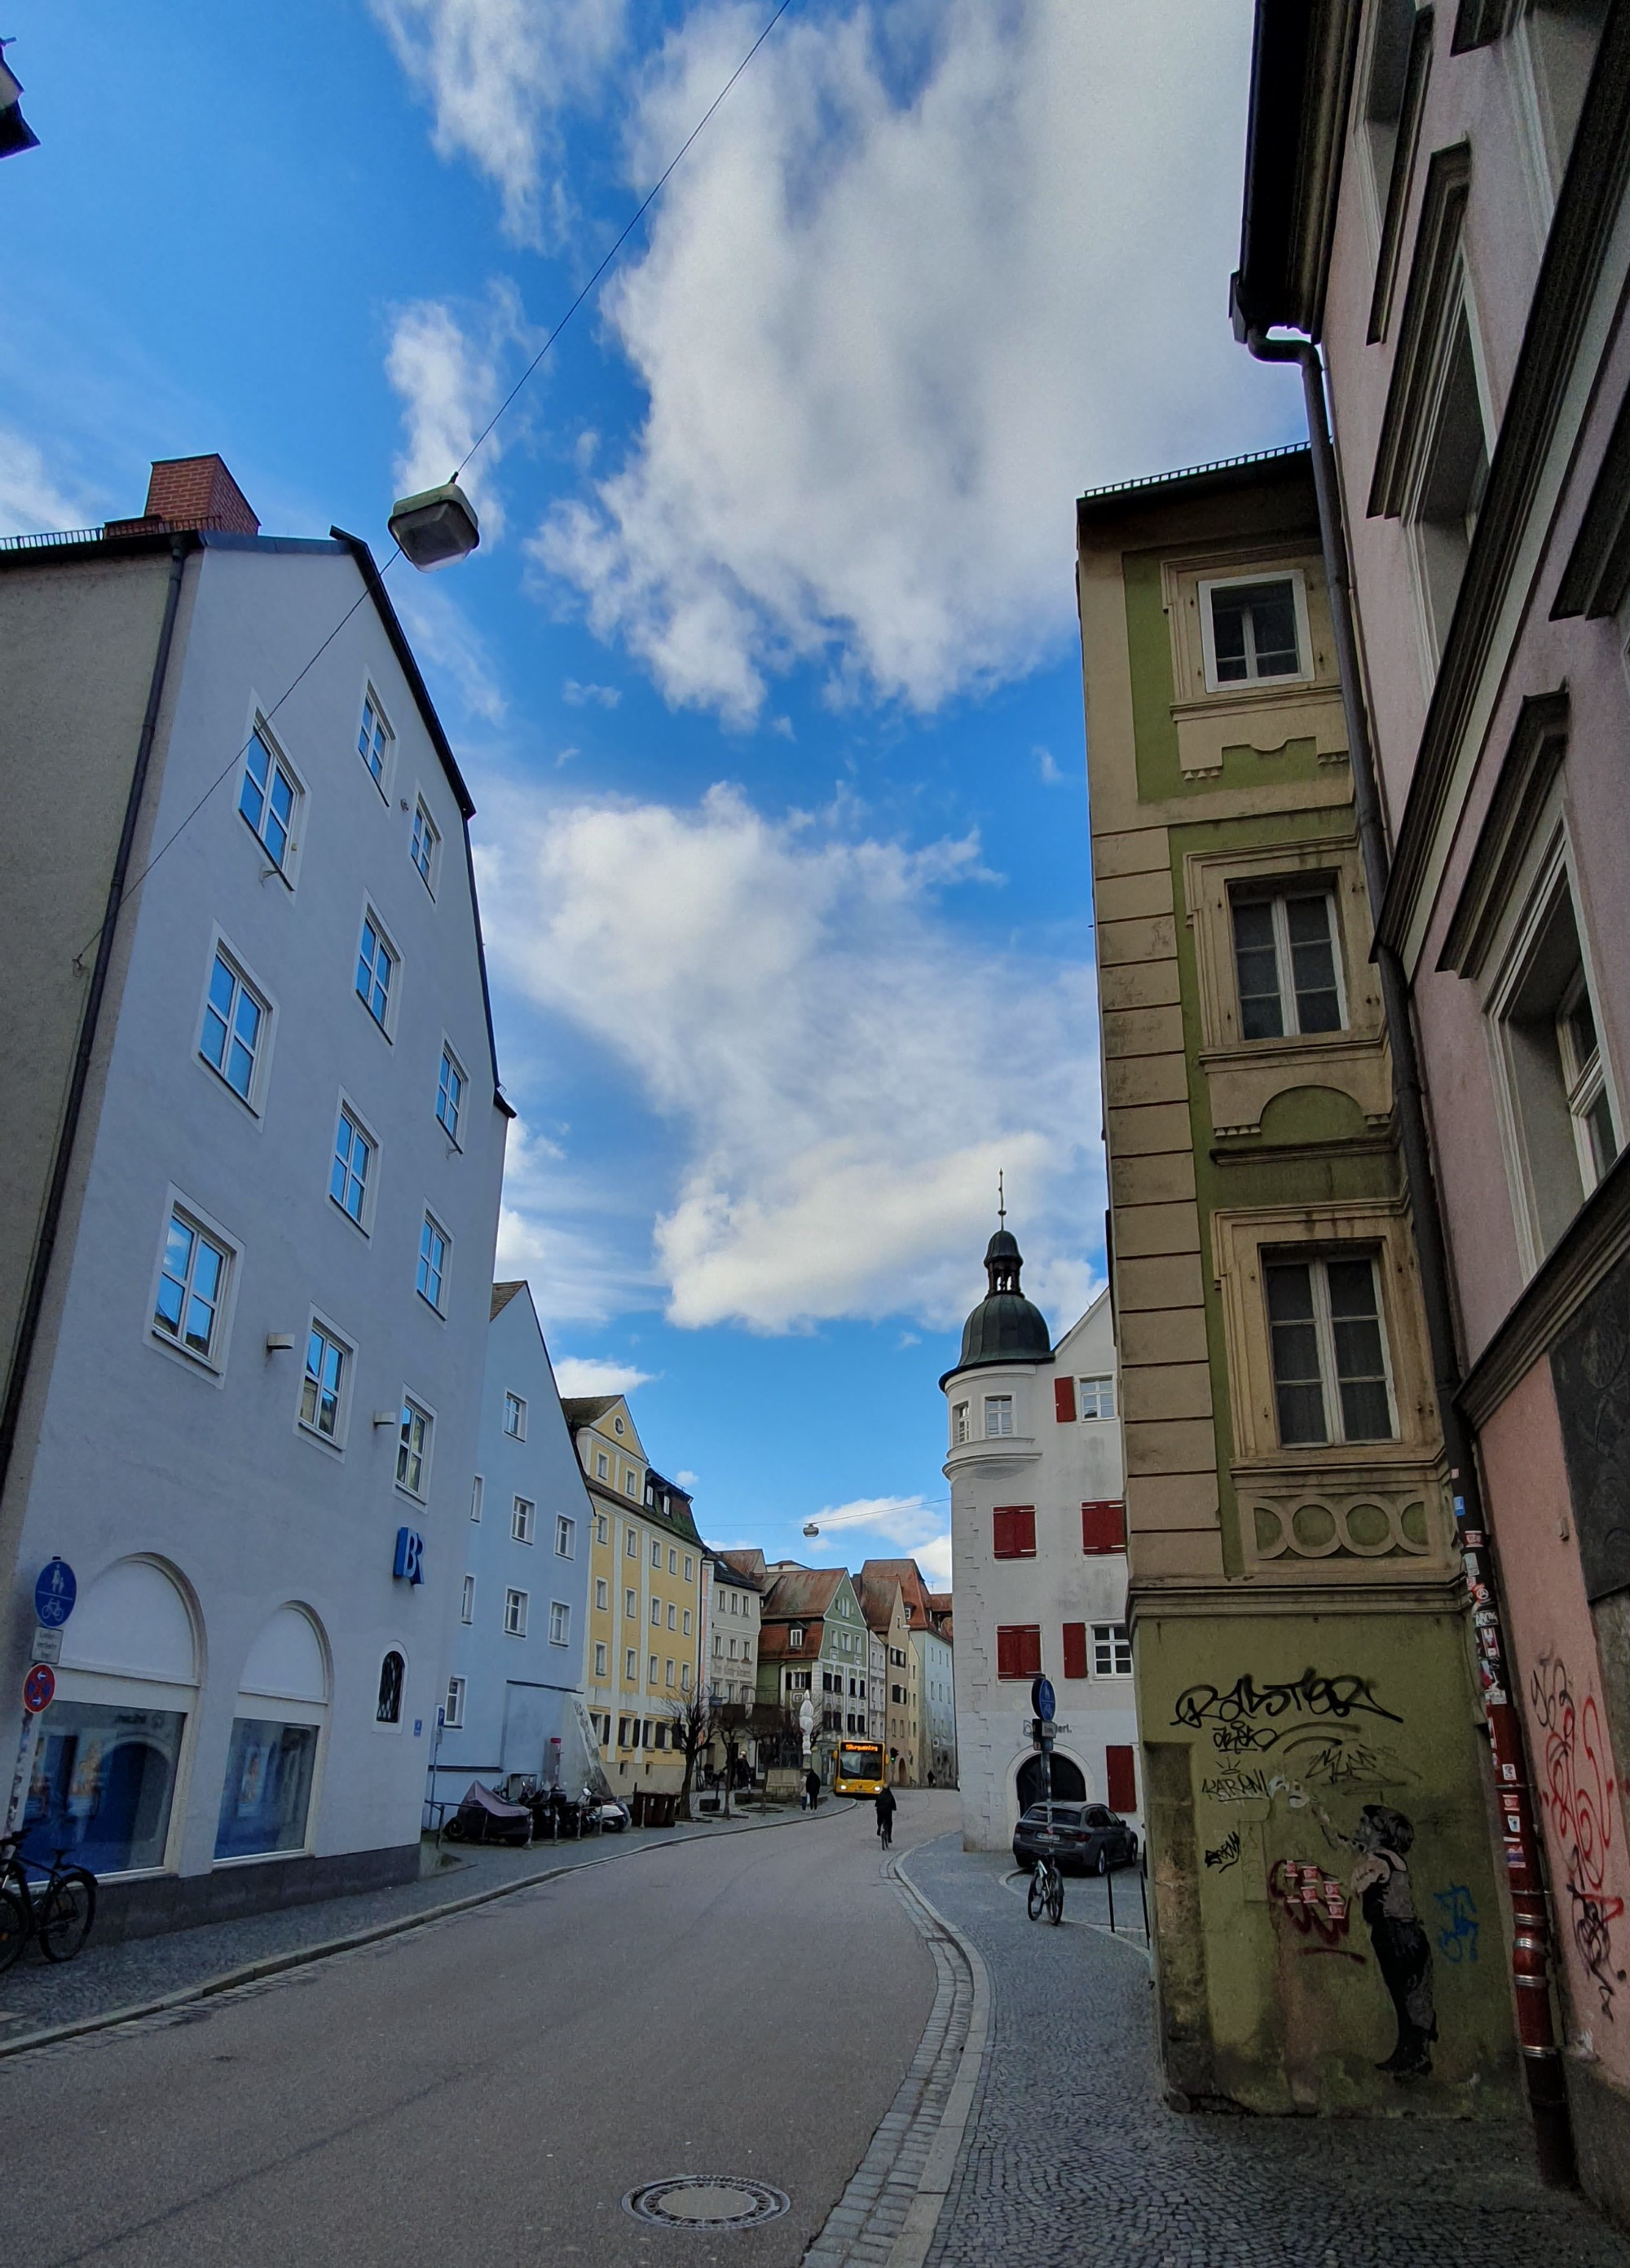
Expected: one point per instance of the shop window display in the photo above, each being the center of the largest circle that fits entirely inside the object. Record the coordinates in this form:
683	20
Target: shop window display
267	1792
101	1785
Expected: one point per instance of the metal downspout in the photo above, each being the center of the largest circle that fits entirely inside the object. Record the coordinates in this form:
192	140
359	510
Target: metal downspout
1547	2093
40	1268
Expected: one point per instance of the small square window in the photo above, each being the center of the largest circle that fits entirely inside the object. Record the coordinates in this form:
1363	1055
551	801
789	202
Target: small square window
515	1604
565	1536
348	1174
998	1416
432	1270
413	1449
515	1416
478	1490
270	797
453	1716
450	1093
522	1518
560	1623
1286	962
1097	1397
192	1287
426	846
1112	1650
234	1026
1253	632
466	1604
376	963
322	1391
373	742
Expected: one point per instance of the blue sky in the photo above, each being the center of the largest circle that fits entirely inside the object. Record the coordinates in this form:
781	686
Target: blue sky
765	676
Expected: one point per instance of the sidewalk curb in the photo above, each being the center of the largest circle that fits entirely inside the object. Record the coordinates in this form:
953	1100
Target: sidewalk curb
910	2247
251	1972
1134	1940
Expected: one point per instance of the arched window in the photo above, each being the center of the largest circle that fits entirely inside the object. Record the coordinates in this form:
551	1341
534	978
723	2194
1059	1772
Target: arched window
391	1671
282	1703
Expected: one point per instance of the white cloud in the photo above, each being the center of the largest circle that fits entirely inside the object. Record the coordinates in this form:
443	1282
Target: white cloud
499	74
444	639
841	1070
885	1528
33	496
554	1231
447	371
931	270
605	696
686	1480
1046	764
577	1374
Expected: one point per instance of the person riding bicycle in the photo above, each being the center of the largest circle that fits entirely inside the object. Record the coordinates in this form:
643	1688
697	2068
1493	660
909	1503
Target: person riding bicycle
886	1806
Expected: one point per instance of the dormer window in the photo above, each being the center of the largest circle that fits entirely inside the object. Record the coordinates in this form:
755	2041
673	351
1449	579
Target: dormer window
795	1637
1254	631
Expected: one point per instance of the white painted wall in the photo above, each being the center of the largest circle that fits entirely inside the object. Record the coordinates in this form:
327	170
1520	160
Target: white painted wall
207	1473
1056	1468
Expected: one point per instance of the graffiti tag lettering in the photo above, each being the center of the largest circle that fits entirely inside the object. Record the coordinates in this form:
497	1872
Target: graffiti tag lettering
1307	1696
1231	1739
1579	1797
1456	1939
1227	1852
1253	1788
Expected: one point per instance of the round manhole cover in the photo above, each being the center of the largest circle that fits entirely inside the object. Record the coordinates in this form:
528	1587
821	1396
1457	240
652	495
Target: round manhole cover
707	2201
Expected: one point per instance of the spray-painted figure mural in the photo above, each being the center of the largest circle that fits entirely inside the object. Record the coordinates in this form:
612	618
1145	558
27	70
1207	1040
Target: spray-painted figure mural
1403	1955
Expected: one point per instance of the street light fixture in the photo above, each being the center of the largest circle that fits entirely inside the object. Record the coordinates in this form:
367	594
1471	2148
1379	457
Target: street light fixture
435	527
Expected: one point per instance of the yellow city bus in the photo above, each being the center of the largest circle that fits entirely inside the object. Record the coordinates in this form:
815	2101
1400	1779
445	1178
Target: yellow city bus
859	1768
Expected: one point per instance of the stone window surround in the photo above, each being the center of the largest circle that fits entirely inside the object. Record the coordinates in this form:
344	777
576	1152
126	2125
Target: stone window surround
1263	715
1245	1075
1350	1506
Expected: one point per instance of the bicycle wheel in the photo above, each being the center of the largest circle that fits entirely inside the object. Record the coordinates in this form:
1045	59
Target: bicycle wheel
1037	1896
70	1910
13	1928
1055	1900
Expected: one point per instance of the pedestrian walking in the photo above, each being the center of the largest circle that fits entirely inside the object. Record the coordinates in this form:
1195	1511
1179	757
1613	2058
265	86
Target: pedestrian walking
886	1807
812	1788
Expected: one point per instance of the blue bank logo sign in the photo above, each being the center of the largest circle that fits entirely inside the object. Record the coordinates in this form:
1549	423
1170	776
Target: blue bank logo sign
409	1561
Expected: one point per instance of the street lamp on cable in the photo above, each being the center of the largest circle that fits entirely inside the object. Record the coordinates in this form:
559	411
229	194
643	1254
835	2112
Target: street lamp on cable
435	527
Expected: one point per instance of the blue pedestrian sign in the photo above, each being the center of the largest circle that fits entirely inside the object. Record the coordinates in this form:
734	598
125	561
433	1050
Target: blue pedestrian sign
54	1594
1042	1699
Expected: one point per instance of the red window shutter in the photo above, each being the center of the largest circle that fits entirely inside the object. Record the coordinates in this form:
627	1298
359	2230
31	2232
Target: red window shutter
1104	1526
1002	1532
1074	1649
1007	1653
1013	1531
1064	1400
1029	1651
1120	1773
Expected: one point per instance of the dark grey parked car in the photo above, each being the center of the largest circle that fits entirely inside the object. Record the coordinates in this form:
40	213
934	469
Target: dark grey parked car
1083	1838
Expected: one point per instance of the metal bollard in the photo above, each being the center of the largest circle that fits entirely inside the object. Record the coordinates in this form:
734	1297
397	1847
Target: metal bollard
1143	1886
1109	1884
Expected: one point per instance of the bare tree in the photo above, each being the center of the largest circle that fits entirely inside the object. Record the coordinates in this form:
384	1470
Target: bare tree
693	1723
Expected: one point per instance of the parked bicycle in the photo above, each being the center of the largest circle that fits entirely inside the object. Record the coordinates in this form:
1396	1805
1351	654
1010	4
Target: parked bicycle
58	1911
1047	1891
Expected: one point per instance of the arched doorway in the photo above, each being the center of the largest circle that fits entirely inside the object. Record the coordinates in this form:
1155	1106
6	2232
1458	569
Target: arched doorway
1069	1782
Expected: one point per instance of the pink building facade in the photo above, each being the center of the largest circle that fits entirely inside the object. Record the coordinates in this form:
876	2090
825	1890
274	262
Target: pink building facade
1436	198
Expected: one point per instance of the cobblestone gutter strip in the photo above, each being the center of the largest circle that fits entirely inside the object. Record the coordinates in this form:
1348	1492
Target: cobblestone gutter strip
887	2215
252	1972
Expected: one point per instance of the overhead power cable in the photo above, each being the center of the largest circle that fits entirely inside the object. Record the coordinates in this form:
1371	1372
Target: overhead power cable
650	199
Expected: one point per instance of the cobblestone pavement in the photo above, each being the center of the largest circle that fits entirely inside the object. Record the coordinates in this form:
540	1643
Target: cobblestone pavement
1072	2160
36	1996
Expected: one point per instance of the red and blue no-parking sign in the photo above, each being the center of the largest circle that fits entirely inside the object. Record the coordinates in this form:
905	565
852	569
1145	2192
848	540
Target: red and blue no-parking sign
38	1686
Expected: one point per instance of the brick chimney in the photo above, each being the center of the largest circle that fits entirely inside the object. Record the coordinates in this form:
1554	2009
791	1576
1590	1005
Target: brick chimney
191	492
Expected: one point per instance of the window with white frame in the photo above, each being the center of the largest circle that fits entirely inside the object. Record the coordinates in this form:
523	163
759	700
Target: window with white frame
656	1554
673	1612
1097	1396
651	1667
235	1019
432	1273
1112	1650
270	797
602	1595
453	1716
373	745
322	1390
690	1568
630	1483
1286	961
412	1448
478	1490
1253	630
600	1670
602	1465
602	1528
426	845
685	1677
685	1622
522	1517
1556	1079
1328	1349
515	1416
630	1604
193	1278
515	1606
466	1604
631	1543
376	963
560	1623
998	1416
630	1666
1447	496
668	1671
655	1614
349	1167
450	1093
565	1537
959	1428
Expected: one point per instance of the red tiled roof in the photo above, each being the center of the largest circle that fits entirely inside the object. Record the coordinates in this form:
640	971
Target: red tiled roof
803	1594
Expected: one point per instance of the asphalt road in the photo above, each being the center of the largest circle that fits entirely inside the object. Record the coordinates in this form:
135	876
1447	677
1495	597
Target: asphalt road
487	2089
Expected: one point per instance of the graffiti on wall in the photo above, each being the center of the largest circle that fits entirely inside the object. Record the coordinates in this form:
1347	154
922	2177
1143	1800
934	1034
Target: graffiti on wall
1578	1797
1227	1852
1313	1902
1383	1839
1258	1708
1457	1914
